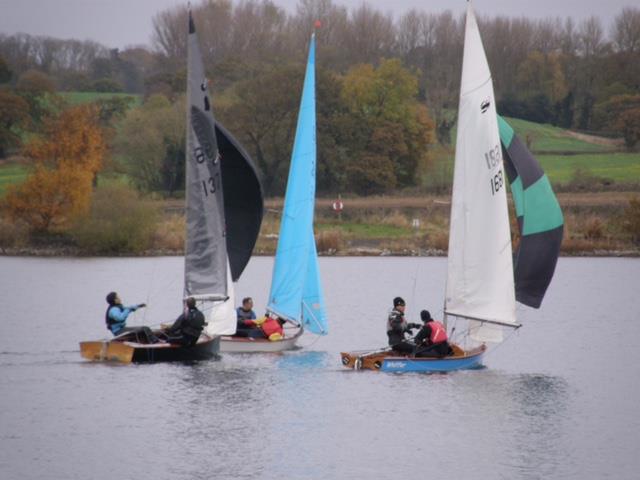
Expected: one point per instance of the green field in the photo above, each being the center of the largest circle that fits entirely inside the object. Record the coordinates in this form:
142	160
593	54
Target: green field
619	167
10	174
547	138
77	98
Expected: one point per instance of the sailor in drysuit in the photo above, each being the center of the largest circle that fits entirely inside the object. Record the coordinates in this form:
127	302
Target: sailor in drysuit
397	327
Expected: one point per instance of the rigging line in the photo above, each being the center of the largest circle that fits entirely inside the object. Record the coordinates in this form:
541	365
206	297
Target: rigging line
490	352
153	275
166	287
415	282
317	337
315	319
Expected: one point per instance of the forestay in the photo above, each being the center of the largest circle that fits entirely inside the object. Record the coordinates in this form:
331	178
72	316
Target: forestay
480	269
296	290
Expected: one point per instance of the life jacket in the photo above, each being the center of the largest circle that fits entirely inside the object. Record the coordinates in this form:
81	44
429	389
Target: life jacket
242	314
438	332
110	321
193	324
393	316
272	329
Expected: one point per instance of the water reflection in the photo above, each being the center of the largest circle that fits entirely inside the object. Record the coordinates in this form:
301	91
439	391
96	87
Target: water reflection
539	414
306	360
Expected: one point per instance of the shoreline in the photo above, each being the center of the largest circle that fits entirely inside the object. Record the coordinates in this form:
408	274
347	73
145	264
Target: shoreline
72	252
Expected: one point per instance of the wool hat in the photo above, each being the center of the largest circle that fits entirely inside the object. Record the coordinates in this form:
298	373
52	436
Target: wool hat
398	301
111	298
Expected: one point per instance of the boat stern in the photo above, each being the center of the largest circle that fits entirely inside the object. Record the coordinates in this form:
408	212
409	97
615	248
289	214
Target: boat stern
103	350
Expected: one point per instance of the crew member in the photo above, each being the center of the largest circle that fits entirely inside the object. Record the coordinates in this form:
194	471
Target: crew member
432	340
245	316
187	328
116	319
397	327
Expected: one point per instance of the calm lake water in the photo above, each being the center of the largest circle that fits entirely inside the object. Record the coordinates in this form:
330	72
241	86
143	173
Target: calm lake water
559	399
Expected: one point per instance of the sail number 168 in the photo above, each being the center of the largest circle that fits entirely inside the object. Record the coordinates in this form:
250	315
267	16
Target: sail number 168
497	182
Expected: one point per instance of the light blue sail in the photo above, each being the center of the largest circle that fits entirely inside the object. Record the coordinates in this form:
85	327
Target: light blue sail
296	290
314	315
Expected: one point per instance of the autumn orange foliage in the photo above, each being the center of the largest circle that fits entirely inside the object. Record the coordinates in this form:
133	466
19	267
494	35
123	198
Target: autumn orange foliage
73	139
66	161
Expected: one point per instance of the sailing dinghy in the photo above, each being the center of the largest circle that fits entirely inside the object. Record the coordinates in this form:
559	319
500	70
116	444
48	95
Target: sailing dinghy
296	290
221	228
481	291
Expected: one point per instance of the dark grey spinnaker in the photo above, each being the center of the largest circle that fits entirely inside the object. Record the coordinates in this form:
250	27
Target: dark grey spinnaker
539	215
243	200
205	249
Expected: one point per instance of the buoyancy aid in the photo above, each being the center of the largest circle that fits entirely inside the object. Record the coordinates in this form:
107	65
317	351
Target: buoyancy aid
396	327
438	332
272	329
110	321
396	321
193	324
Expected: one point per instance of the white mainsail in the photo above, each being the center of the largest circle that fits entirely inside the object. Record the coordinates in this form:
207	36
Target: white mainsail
480	281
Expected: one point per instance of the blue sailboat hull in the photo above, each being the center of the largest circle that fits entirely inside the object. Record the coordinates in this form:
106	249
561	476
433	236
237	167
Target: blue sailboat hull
446	364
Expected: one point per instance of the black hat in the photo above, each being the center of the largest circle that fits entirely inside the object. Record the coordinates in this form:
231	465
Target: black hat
398	301
111	298
425	316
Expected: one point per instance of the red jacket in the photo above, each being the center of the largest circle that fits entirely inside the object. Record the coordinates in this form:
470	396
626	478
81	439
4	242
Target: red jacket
438	332
272	326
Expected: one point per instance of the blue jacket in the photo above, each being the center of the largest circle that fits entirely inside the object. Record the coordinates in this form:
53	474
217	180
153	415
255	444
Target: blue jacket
242	314
116	317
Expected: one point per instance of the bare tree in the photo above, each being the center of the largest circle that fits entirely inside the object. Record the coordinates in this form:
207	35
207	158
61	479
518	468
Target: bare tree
371	35
626	30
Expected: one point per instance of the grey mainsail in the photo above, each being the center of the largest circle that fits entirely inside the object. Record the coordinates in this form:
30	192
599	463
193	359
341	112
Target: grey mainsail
205	249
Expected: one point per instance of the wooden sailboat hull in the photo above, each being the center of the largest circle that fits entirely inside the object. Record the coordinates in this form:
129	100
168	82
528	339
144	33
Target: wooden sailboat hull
389	361
229	344
126	352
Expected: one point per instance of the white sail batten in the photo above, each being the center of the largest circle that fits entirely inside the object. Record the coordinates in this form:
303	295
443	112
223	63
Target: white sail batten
480	281
221	319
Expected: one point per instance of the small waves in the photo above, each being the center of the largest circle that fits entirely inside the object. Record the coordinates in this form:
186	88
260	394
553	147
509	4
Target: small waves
41	358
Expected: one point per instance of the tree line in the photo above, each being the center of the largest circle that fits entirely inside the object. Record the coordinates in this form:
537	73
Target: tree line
387	87
553	70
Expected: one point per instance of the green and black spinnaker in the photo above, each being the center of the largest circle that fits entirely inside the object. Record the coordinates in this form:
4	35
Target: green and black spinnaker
539	215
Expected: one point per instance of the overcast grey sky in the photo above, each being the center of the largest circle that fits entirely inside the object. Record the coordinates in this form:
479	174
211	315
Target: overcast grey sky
118	23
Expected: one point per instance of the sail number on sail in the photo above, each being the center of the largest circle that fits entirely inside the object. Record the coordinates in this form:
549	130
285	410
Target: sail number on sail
493	159
204	150
211	185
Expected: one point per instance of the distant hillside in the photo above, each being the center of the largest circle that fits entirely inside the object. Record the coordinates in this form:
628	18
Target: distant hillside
545	138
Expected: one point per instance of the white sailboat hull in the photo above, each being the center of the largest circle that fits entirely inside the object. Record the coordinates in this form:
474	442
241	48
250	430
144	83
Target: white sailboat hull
229	344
